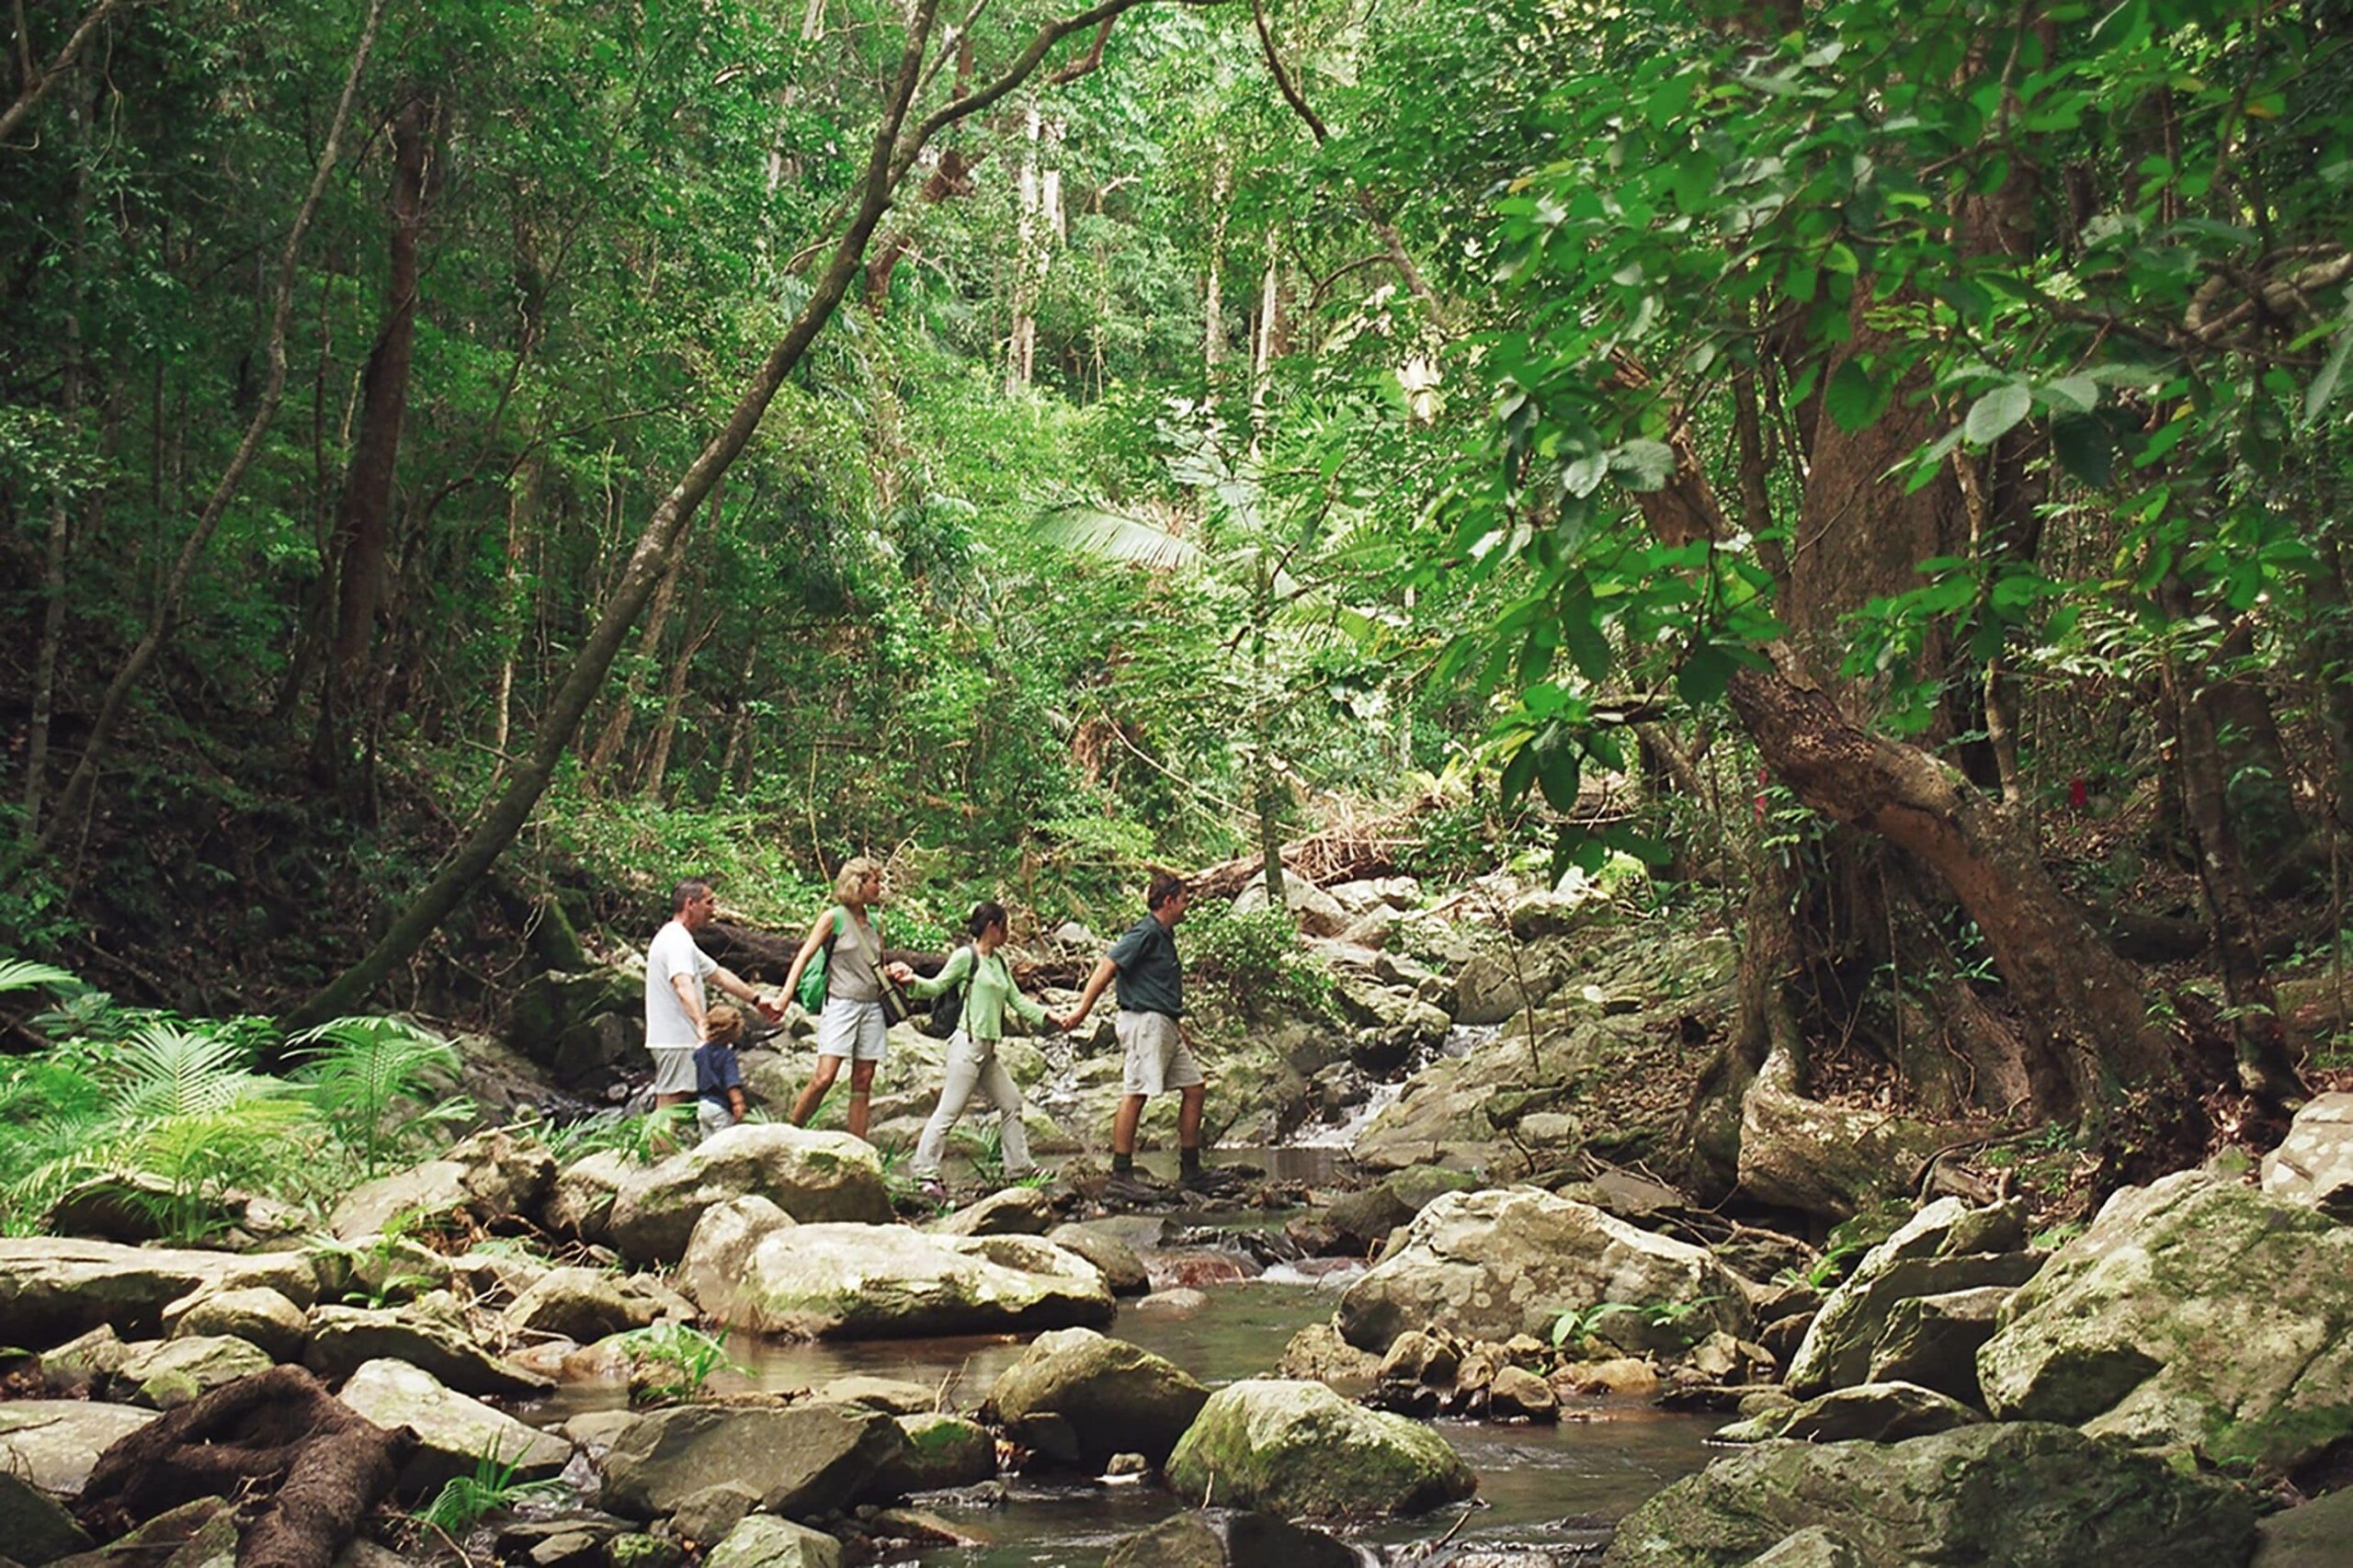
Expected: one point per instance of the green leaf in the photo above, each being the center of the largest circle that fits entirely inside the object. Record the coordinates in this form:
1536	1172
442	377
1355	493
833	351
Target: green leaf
1704	675
1854	399
2332	370
1643	464
1518	774
1992	416
2072	394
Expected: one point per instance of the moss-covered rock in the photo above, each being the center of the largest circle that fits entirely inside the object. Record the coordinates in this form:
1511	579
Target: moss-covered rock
810	1175
1078	1397
2026	1495
1299	1448
2195	1311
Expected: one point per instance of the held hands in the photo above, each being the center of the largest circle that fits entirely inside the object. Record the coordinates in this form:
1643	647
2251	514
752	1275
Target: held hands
899	972
773	1012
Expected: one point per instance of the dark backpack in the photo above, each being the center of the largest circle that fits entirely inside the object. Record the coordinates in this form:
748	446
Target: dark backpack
947	1008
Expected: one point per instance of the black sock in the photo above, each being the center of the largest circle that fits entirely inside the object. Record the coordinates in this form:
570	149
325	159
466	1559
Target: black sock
1189	1162
1123	1164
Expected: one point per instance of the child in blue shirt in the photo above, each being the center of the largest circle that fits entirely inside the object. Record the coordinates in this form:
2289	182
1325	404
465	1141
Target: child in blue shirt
719	1077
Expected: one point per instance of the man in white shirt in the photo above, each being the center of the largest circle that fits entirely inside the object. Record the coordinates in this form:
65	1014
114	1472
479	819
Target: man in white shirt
675	970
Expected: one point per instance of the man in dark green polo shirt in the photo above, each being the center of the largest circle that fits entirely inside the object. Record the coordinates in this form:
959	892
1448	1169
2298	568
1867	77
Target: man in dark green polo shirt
1152	1001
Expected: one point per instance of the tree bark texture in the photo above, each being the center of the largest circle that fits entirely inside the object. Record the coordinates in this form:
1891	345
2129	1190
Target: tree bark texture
362	531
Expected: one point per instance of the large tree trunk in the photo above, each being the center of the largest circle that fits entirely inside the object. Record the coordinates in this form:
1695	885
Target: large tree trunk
175	587
362	532
892	155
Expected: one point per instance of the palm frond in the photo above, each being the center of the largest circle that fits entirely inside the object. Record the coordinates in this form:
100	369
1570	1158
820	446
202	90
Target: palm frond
22	974
1085	529
167	1071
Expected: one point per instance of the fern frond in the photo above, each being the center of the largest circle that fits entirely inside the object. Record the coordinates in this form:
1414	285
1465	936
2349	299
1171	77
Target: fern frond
1085	529
22	974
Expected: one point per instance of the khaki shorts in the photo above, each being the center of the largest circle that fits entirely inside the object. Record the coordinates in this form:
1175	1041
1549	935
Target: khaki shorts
673	1069
1157	1056
853	1029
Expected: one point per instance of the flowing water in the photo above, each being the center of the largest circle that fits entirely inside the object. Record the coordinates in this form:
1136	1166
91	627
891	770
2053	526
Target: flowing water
1544	1493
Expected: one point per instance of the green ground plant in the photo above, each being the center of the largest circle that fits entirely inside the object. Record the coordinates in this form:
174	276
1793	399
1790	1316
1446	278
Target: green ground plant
1256	961
464	1501
673	1360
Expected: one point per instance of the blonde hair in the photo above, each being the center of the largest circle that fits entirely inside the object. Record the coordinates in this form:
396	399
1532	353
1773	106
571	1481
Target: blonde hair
722	1022
853	875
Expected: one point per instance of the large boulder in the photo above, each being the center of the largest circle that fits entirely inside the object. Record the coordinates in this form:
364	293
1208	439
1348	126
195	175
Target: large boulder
1078	1398
943	1450
344	1339
1945	1248
813	1177
1831	1160
1995	1495
582	1203
1299	1448
882	1281
1317	911
1511	1260
455	1435
53	1288
582	1304
1104	1244
1496	986
2314	1163
802	1461
2195	1311
54	1442
1362	1220
493	1175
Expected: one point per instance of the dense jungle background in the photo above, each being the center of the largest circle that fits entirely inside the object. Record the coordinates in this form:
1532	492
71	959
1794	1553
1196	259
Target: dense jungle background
1868	477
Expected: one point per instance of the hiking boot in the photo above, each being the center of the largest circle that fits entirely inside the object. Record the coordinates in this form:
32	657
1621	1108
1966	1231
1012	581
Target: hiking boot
1210	1180
934	1188
1127	1190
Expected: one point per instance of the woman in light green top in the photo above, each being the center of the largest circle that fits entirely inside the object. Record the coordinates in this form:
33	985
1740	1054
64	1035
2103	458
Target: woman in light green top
972	1051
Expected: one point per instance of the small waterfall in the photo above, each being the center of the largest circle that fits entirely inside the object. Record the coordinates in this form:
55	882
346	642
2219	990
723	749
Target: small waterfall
1459	1041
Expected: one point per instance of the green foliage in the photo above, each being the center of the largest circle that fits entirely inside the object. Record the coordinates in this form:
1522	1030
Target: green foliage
1576	1324
1257	960
643	1139
673	1360
464	1501
378	1083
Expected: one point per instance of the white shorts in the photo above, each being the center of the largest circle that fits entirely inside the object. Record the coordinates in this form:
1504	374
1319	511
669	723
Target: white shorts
713	1116
1157	1056
854	1030
673	1069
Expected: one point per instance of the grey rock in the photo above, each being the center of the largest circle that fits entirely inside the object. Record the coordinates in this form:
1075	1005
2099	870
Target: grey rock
454	1434
52	1443
256	1314
2024	1494
344	1339
1490	1265
581	1201
1933	1341
1879	1412
1102	1245
802	1461
1016	1212
54	1288
710	1514
1078	1397
765	1541
582	1304
2314	1164
813	1177
943	1452
35	1526
2195	1311
173	1373
1299	1448
1222	1540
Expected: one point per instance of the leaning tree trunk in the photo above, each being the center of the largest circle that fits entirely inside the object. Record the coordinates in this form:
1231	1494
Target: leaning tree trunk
888	160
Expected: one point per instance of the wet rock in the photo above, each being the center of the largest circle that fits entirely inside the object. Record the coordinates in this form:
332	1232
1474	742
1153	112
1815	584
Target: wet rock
893	1397
642	1551
1016	1212
2314	1164
1104	1244
813	1177
130	1206
1299	1448
1182	1301
1880	1413
344	1339
1318	1352
172	1373
1222	1540
2311	1535
1078	1397
804	1461
256	1314
885	1281
1841	1344
2192	1311
1490	1265
2025	1495
1812	1547
1415	1357
35	1526
52	1443
1518	1393
763	1540
454	1434
582	1202
943	1452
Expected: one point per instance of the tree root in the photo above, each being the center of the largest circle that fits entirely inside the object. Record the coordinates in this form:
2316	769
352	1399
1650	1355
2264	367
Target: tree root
310	1467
